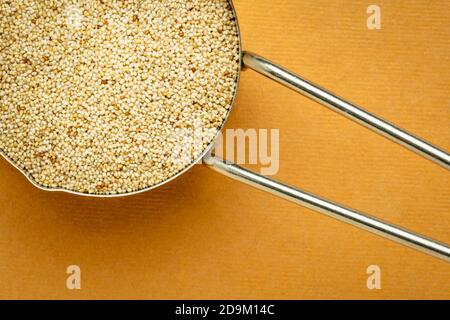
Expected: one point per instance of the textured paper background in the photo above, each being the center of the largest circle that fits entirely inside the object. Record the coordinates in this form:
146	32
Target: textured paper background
204	236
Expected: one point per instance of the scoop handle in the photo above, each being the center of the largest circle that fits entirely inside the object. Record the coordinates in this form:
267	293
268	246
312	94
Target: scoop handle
330	208
347	109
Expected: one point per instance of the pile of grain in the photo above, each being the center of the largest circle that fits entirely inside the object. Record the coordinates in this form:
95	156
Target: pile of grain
98	96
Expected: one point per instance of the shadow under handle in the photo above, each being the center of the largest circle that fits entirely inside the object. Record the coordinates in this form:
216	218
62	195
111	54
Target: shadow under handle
330	208
349	110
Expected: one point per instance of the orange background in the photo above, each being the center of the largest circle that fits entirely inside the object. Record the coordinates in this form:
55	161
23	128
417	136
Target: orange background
205	236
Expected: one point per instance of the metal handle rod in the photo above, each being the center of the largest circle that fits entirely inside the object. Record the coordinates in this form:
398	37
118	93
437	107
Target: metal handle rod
330	209
349	110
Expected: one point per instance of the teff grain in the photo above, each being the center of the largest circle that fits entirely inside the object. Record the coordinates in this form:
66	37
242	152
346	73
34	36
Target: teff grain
97	97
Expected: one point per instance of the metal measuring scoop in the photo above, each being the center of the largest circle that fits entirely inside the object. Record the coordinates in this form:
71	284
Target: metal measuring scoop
298	196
